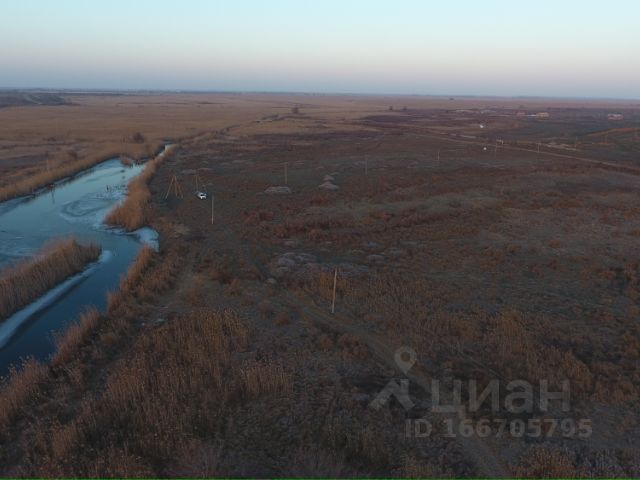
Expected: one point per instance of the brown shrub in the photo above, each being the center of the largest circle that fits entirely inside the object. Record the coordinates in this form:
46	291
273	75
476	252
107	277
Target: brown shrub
309	223
282	318
235	287
266	308
325	342
28	280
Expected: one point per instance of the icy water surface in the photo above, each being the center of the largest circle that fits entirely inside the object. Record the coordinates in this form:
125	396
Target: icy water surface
75	207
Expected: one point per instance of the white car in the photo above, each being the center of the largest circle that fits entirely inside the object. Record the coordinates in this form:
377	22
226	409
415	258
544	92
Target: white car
201	195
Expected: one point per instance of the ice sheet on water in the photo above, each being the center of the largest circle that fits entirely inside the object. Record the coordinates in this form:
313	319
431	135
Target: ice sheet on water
91	209
10	325
13	248
148	236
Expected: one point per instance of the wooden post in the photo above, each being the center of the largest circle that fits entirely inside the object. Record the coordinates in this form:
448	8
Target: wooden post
212	208
438	156
286	174
177	189
335	282
366	166
169	189
197	189
495	152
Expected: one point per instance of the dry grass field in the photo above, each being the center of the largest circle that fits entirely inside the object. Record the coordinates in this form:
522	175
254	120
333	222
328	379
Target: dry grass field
502	252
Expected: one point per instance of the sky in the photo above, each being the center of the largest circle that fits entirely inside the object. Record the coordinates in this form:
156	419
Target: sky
560	48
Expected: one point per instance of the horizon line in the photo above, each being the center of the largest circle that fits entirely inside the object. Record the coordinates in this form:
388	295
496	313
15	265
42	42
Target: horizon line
452	96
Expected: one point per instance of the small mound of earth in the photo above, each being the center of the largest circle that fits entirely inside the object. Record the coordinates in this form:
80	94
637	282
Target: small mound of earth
328	186
278	190
372	246
375	258
302	267
328	178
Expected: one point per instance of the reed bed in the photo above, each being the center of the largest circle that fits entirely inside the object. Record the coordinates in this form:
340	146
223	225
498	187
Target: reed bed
153	405
24	282
76	335
72	165
18	387
133	212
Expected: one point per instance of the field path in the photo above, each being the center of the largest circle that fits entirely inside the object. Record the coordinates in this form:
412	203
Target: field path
422	132
475	447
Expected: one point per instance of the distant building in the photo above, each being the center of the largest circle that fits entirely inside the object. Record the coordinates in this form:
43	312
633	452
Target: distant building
542	115
615	116
521	113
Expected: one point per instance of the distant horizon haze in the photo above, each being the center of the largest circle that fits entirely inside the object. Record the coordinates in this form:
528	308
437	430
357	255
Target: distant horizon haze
570	49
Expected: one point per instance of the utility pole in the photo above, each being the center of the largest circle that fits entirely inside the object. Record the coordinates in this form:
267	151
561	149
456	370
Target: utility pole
335	281
177	189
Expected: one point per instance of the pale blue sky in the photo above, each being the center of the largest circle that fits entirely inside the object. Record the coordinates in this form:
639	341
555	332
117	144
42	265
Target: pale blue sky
491	47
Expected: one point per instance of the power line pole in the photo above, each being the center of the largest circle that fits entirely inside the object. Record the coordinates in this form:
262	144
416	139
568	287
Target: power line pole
333	300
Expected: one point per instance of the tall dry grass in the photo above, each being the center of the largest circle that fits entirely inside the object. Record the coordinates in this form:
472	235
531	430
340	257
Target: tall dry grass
23	283
59	169
167	396
20	385
133	212
68	342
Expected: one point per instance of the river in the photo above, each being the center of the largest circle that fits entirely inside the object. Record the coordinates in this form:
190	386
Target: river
77	207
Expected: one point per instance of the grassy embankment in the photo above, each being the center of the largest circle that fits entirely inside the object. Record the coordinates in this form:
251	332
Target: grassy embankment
89	340
23	283
133	212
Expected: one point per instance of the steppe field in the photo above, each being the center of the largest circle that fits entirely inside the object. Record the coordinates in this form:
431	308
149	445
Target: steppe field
434	243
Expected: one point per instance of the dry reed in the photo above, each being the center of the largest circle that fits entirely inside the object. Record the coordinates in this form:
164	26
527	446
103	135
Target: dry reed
23	283
75	336
18	387
29	184
154	401
133	212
